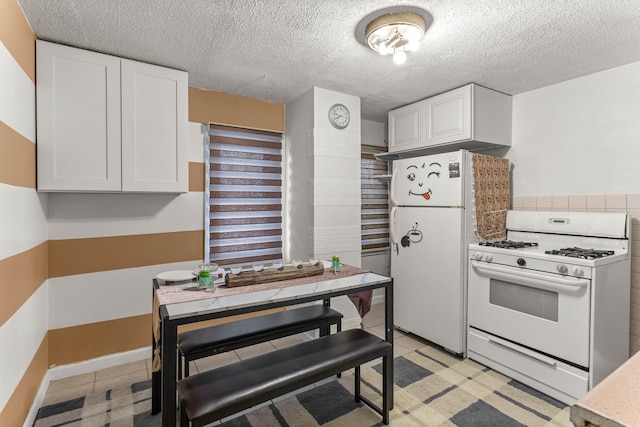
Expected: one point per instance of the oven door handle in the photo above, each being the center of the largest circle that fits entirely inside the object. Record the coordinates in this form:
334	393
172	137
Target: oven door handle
526	352
531	278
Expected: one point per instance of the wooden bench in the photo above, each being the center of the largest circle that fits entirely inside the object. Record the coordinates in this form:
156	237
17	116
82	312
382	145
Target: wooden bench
218	393
204	342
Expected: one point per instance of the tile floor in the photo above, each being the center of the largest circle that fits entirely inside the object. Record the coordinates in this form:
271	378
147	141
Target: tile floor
105	379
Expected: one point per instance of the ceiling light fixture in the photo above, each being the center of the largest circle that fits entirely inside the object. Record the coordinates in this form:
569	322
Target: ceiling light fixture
396	34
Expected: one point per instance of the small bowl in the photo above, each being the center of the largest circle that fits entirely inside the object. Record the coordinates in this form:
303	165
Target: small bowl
313	261
296	263
236	270
258	267
277	265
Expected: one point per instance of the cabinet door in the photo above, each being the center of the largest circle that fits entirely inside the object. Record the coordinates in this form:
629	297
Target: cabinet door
449	117
154	128
78	119
407	127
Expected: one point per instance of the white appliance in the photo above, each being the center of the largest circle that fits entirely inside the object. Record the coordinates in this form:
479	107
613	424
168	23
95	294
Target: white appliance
550	306
431	227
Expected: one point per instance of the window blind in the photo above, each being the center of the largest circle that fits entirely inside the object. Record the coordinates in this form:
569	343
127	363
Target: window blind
375	200
245	195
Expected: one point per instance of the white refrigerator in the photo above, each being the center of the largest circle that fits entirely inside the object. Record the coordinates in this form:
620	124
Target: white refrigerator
431	228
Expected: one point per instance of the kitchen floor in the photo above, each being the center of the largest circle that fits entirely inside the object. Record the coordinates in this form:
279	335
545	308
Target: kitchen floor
106	379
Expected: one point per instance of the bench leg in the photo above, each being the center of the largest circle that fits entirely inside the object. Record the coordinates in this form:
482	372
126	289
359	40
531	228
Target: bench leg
387	386
184	421
338	329
357	383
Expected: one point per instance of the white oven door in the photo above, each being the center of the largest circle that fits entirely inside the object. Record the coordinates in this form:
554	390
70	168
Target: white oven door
543	311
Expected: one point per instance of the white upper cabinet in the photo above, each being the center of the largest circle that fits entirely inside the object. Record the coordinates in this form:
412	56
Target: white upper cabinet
154	128
470	117
449	116
407	127
107	124
78	119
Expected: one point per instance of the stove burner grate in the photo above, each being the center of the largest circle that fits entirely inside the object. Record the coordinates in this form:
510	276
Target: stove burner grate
576	252
509	244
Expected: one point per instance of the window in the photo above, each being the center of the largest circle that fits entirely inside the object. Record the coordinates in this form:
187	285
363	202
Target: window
375	196
245	196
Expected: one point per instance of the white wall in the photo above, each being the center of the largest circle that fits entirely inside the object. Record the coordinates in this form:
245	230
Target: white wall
298	215
336	180
579	137
323	179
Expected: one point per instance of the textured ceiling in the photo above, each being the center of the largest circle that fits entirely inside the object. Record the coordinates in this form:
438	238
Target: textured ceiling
278	49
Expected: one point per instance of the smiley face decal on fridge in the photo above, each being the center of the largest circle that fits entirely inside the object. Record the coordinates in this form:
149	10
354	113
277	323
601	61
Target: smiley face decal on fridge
422	179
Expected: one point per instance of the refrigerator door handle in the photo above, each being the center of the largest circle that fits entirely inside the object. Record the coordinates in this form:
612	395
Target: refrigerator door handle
392	192
392	228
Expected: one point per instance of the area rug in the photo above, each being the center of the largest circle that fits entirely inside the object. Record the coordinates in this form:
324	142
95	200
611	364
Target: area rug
432	388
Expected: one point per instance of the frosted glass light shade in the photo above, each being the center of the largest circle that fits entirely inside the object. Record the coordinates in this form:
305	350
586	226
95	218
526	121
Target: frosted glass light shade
395	32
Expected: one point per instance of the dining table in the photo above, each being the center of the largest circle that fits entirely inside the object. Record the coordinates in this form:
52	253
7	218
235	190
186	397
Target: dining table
180	304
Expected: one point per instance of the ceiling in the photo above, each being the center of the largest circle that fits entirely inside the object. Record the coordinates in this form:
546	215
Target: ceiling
277	49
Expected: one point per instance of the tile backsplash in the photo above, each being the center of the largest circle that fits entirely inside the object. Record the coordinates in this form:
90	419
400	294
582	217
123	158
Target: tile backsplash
601	203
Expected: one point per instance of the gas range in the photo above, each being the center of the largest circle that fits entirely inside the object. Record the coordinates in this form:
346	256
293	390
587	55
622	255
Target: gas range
549	306
558	239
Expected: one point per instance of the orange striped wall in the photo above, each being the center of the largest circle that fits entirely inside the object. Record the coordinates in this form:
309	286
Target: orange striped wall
22	274
79	256
18	159
17	36
207	106
84	342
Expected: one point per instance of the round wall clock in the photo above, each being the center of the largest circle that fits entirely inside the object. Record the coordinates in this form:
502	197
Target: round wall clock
339	116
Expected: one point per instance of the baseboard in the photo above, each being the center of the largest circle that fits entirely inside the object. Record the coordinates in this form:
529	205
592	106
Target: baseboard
102	362
377	299
65	371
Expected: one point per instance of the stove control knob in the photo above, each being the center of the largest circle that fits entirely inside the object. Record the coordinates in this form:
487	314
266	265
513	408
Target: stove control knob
562	269
477	256
521	262
488	257
577	271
